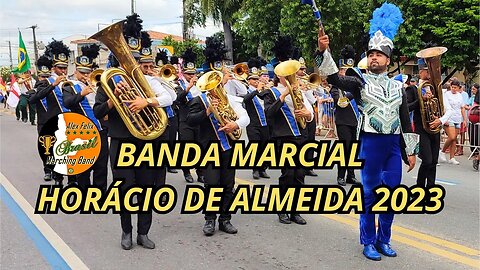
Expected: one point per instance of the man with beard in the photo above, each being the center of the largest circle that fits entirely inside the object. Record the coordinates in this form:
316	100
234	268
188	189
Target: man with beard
384	111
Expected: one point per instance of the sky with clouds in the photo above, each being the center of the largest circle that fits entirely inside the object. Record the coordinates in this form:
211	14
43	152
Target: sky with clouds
59	19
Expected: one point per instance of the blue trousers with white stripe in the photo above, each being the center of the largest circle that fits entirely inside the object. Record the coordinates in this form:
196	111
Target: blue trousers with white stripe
383	165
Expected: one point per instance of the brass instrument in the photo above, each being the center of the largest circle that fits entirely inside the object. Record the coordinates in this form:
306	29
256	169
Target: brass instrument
148	123
240	71
432	108
211	82
94	80
312	81
288	69
168	72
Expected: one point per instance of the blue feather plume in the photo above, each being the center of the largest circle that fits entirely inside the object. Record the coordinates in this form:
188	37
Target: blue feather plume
387	19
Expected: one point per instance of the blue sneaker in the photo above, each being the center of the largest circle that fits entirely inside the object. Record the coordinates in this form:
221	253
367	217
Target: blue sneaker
371	253
385	249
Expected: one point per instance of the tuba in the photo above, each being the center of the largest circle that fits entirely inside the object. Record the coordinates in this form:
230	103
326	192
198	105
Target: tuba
147	124
431	108
288	69
211	82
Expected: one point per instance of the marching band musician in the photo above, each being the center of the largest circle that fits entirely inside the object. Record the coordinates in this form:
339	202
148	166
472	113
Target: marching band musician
201	114
257	130
80	99
118	133
165	94
345	115
385	118
161	59
51	88
283	124
44	66
429	147
187	91
302	77
25	84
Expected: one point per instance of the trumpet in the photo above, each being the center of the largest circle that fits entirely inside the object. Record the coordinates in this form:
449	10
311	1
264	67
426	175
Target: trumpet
239	71
311	81
94	80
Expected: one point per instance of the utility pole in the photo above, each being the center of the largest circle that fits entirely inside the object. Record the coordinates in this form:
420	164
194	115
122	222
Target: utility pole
133	6
184	22
34	42
10	51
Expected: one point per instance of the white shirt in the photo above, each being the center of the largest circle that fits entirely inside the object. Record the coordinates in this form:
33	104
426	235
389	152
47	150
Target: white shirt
162	95
194	90
235	88
289	102
90	97
23	88
166	86
453	104
251	88
243	119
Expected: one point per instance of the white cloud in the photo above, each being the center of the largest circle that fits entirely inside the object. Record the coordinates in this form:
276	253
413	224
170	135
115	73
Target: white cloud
59	19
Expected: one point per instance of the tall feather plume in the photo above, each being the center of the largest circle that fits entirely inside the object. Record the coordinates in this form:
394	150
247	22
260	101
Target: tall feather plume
44	61
189	56
161	55
56	47
387	19
296	53
283	48
254	62
262	61
91	51
174	60
348	52
145	40
133	26
214	50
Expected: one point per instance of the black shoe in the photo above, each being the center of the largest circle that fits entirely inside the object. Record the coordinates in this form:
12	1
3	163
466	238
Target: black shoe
209	227
18	118
298	219
171	170
24	120
264	174
201	179
188	178
33	124
126	241
341	181
353	181
226	226
256	175
283	218
475	164
47	177
310	173
142	240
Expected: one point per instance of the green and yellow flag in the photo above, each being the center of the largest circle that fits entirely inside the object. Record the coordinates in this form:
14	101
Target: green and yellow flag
23	60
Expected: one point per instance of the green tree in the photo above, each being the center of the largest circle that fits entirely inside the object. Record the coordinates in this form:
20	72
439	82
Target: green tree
179	48
259	22
221	11
453	24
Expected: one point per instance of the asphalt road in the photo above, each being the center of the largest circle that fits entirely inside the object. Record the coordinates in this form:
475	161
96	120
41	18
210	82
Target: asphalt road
448	240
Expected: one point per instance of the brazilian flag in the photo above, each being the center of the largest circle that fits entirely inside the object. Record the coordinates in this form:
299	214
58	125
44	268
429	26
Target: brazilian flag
23	60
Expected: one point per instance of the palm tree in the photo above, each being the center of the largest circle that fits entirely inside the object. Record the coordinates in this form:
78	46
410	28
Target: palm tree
222	11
